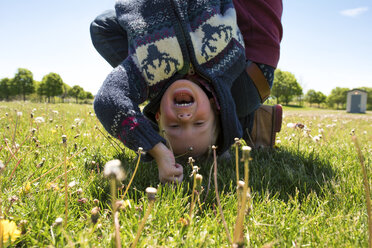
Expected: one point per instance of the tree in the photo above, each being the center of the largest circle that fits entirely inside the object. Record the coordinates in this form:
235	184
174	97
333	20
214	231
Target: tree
313	96
338	96
89	95
23	82
285	86
65	88
51	85
76	91
310	96
320	98
5	89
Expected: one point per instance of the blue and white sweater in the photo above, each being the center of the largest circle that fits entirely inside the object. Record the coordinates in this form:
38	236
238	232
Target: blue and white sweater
165	38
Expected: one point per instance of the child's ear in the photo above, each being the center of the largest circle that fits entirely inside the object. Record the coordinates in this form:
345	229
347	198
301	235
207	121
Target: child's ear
157	116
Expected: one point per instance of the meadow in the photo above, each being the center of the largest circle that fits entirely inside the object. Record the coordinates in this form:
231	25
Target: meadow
307	192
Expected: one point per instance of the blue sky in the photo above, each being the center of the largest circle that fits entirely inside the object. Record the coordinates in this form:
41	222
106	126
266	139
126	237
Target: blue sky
325	43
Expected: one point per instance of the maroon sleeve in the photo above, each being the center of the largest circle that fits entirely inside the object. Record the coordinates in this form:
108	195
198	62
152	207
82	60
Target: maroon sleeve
260	24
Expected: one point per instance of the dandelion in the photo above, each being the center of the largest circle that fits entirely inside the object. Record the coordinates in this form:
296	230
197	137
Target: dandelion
19	114
2	166
316	138
151	193
72	184
26	188
291	125
113	169
58	221
94	214
9	231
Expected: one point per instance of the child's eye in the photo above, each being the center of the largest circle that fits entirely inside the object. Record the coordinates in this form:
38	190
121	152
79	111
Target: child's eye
174	126
199	123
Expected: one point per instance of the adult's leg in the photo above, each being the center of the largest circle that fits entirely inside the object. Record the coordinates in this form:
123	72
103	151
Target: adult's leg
109	38
246	96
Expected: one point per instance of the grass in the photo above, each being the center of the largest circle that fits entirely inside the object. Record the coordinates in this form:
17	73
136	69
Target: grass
307	192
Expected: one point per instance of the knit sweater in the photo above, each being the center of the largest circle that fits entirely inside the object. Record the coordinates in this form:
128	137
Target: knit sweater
165	38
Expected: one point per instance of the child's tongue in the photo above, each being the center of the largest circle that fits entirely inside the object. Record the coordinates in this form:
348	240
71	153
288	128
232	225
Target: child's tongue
183	98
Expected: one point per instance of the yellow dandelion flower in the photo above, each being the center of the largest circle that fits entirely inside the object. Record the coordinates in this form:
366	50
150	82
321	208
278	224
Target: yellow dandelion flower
9	231
26	188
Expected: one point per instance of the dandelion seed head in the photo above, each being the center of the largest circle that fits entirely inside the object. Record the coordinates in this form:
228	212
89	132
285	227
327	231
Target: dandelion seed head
13	199
58	221
151	192
199	179
19	114
64	138
39	119
72	184
113	169
2	166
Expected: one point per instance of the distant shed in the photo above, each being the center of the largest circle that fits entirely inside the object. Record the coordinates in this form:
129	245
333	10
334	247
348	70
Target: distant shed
356	101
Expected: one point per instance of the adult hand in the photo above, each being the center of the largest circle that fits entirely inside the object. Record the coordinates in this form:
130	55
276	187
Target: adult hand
169	170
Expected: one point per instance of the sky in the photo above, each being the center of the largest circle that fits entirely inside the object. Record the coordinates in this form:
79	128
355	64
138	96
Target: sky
326	43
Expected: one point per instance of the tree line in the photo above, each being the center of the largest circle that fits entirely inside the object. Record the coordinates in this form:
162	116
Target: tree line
23	86
287	89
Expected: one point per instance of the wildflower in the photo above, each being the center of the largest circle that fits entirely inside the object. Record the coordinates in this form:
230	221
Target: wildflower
19	114
26	188
10	231
96	202
94	214
82	200
79	191
55	112
33	131
64	139
13	199
151	192
2	166
352	132
291	125
53	186
316	138
39	119
113	169
58	221
72	184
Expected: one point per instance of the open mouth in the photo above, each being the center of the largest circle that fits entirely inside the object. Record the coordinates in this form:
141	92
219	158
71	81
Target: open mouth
183	99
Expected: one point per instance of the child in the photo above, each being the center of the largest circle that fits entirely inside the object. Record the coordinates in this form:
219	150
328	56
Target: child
208	42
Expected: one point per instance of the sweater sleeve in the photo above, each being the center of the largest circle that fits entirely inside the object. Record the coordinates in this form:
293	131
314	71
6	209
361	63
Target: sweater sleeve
117	107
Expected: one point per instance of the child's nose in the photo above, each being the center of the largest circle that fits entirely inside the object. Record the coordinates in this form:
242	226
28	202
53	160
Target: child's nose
184	116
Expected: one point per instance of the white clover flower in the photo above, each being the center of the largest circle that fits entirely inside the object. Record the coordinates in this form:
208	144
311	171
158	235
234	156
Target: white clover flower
113	169
39	119
72	184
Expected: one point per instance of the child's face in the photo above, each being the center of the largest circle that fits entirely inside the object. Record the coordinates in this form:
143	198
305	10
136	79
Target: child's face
187	117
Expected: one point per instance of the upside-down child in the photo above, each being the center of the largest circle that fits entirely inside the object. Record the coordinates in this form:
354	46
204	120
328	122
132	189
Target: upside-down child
187	59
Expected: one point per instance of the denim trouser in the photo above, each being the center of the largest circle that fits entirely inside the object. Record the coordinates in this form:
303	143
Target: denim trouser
111	41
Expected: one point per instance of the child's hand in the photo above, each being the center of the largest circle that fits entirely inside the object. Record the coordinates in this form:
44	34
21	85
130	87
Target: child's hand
169	171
